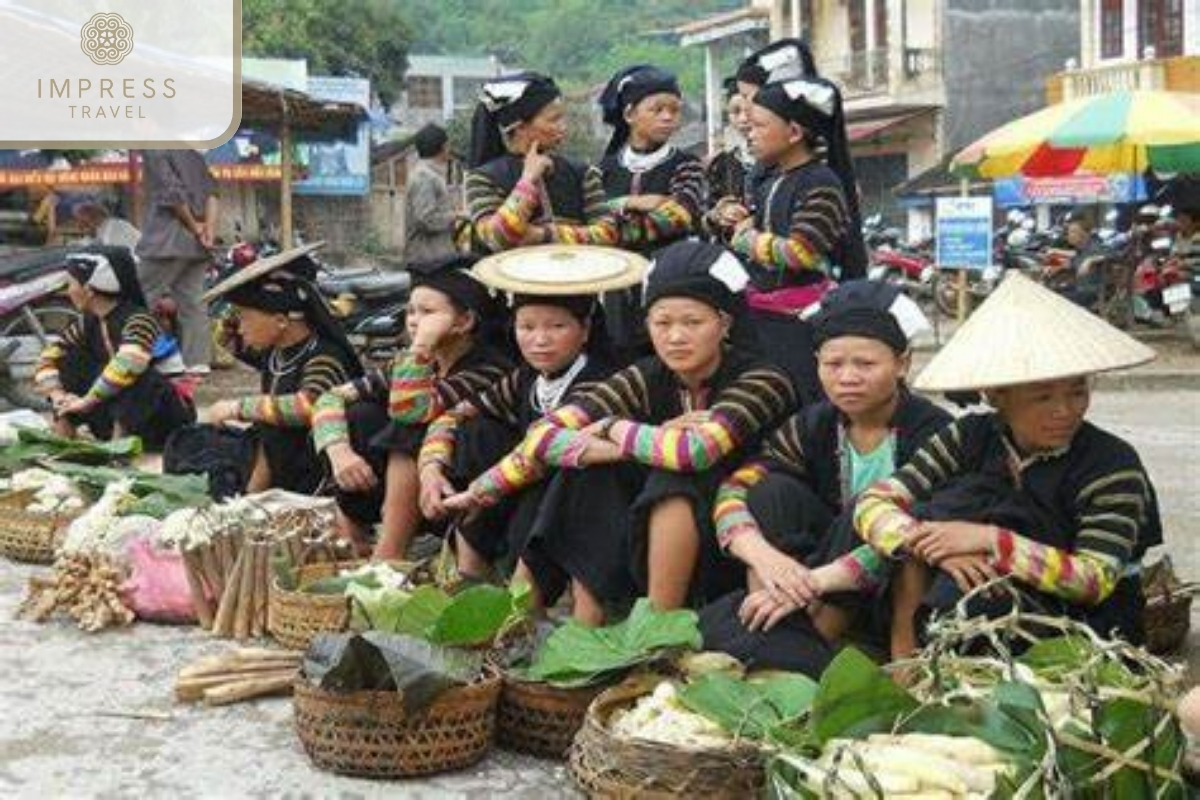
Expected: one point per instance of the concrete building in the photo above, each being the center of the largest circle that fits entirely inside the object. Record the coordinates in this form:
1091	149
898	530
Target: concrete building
435	87
1132	44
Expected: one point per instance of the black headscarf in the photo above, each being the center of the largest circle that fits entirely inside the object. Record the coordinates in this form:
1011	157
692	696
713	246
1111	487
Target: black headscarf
785	57
584	307
1183	193
816	105
290	290
730	88
430	140
707	272
504	103
860	308
83	266
628	88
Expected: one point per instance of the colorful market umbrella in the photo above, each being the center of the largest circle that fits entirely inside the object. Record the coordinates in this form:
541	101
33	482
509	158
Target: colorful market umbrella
1127	131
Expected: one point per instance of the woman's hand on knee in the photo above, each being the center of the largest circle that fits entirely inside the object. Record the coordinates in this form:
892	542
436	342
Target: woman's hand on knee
784	576
764	609
350	470
434	491
933	542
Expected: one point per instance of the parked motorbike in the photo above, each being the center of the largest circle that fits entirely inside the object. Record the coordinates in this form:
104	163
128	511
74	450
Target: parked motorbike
909	266
32	311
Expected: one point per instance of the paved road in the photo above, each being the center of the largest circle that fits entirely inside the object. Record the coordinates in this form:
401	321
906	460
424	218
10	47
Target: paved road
66	701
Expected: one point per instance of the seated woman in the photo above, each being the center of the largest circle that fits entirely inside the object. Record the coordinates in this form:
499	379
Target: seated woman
646	449
282	328
1030	490
786	514
371	429
563	349
109	371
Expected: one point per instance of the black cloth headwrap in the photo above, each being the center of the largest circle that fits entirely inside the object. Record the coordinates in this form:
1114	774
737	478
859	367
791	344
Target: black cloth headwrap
794	56
515	98
430	140
451	276
290	290
817	107
628	88
1183	193
584	307
123	265
860	308
730	88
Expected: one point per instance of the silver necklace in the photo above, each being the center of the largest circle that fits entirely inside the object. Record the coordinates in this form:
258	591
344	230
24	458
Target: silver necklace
280	367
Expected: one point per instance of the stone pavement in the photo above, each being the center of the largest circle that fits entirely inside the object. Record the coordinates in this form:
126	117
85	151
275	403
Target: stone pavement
92	715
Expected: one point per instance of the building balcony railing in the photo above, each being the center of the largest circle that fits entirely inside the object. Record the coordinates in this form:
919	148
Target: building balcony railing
1179	74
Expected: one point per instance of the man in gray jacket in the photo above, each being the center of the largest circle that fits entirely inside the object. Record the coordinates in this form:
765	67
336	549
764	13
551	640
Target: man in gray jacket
429	211
179	220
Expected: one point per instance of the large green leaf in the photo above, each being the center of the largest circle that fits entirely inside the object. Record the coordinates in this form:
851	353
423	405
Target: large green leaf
577	655
749	708
159	493
473	616
856	697
1062	656
36	445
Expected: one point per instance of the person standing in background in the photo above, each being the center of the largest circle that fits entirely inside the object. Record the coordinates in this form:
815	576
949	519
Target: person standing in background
429	211
179	221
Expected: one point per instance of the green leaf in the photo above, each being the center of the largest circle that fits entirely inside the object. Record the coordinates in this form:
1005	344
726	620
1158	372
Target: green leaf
472	616
856	697
577	655
749	708
1054	659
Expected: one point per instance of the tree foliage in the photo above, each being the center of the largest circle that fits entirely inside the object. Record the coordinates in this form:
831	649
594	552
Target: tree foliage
368	38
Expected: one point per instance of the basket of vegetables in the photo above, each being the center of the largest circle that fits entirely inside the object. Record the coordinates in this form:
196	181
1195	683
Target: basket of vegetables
314	599
544	702
382	705
703	735
36	510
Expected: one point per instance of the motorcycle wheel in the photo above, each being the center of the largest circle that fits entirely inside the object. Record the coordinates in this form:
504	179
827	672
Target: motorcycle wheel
52	317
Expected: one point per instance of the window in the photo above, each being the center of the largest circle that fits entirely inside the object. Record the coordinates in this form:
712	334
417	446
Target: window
1160	25
1112	34
424	92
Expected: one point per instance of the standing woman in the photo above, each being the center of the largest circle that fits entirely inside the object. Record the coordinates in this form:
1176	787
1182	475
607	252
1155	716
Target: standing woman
518	190
641	454
371	429
728	170
656	190
1030	490
286	332
108	371
801	236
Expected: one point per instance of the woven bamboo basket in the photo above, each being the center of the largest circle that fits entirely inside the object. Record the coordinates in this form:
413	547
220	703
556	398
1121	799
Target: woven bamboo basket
295	617
368	734
540	719
1167	615
604	766
31	537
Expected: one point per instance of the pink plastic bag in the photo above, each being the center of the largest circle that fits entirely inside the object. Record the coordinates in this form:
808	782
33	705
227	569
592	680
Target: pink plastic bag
157	589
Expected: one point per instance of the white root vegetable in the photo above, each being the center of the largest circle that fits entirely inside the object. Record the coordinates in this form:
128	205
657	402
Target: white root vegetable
960	748
934	771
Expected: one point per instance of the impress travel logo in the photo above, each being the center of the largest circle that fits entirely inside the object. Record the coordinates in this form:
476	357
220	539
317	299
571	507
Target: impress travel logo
119	73
107	39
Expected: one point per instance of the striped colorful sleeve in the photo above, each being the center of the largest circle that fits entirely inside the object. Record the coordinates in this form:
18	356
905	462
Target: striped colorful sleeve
500	222
46	375
295	410
329	412
412	389
466	385
881	515
817	225
555	441
865	565
440	440
601	227
132	359
730	510
500	401
1110	511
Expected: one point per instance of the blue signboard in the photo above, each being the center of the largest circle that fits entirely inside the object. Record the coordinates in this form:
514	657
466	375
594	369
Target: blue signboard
1070	190
339	167
964	232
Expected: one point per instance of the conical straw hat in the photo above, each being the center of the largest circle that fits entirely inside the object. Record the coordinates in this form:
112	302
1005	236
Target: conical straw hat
1025	333
257	269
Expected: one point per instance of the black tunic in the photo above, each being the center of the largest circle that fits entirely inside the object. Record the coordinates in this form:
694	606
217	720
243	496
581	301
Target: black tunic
593	523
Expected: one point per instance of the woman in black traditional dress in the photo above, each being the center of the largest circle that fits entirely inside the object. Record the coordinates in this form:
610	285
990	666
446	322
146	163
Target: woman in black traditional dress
282	328
728	170
518	190
109	370
655	189
564	349
641	454
372	428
